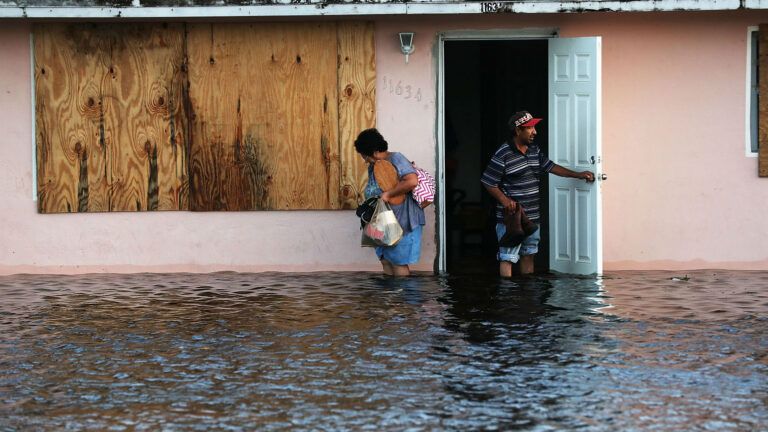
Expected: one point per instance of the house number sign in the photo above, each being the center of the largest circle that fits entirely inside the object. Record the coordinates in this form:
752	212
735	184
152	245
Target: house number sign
405	91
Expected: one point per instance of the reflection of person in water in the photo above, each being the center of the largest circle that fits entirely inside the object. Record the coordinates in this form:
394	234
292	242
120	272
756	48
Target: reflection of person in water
501	325
485	308
527	345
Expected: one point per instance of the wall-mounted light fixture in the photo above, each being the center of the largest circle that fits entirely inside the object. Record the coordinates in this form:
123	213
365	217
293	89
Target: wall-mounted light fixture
406	44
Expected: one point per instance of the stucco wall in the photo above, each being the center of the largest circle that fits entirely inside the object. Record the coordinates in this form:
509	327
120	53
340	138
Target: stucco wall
156	241
681	192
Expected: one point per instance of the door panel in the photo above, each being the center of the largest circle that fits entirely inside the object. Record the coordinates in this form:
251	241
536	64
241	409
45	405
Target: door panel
560	226
574	130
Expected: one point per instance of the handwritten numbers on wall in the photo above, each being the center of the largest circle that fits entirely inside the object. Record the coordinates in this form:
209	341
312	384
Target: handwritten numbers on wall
404	91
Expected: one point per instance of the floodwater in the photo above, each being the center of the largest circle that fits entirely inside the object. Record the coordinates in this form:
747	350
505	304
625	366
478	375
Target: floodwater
357	351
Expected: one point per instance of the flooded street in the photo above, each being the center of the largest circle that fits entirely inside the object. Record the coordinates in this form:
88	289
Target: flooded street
357	351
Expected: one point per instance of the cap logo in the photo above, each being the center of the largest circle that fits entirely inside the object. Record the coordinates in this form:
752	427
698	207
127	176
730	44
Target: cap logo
524	119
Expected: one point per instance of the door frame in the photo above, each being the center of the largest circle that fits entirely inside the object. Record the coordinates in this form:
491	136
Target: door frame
465	35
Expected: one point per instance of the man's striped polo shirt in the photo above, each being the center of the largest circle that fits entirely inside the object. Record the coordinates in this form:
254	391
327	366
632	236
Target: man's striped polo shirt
517	175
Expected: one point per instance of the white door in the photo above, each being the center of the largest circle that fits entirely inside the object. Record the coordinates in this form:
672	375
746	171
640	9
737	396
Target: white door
575	242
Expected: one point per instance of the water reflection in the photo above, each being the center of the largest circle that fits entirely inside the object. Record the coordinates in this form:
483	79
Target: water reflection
271	351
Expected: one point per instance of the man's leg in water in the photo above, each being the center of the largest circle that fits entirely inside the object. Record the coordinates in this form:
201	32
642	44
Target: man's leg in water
505	269
526	264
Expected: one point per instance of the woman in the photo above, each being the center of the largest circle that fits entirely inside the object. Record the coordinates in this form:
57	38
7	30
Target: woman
394	259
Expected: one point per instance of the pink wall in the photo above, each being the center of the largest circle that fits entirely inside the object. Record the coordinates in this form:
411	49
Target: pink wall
157	242
681	194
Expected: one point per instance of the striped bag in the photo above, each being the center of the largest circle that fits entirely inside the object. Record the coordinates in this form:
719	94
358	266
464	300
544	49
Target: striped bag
424	192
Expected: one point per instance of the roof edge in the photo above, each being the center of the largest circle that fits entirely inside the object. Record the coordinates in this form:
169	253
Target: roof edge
324	8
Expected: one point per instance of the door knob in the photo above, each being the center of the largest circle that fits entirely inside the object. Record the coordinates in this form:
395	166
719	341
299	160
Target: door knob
603	177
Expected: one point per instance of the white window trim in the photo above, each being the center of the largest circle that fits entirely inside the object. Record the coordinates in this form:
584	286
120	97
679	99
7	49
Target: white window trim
34	115
748	116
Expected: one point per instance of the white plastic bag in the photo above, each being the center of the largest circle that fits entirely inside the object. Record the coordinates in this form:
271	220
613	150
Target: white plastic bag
383	229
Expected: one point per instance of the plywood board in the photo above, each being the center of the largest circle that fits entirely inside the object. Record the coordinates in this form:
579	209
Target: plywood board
70	133
134	117
147	161
264	131
108	117
357	104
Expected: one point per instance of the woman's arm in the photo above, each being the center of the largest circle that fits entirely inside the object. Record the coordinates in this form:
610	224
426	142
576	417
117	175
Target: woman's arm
405	185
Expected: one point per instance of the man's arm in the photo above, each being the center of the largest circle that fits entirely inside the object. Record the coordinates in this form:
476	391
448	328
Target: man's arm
565	172
497	194
491	179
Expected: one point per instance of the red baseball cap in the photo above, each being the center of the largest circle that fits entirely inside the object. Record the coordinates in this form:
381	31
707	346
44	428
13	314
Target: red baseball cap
523	119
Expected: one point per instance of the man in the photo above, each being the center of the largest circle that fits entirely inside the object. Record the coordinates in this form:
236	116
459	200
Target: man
512	178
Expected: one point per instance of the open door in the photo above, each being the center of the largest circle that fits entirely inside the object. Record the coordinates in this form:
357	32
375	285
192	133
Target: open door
574	142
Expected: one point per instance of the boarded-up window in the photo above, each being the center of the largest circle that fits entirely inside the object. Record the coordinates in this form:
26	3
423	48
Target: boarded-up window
110	118
202	116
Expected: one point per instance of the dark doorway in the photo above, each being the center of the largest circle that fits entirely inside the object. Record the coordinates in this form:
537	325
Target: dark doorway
485	82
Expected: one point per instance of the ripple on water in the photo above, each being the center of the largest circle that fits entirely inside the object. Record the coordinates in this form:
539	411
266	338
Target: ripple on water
270	351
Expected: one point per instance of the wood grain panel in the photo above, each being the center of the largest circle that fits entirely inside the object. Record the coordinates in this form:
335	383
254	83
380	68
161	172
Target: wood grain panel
103	93
146	161
258	116
357	104
762	137
69	120
264	132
